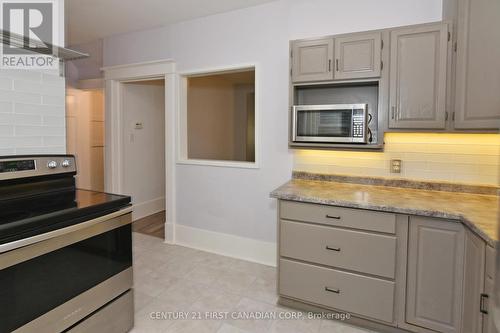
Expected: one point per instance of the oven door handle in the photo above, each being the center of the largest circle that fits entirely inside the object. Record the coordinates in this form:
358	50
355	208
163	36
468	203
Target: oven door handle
64	231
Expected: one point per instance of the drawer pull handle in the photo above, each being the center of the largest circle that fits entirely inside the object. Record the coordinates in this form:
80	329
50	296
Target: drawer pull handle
333	217
331	290
336	249
483	307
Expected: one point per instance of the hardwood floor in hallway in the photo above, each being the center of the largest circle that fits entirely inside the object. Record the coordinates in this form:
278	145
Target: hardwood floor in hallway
152	225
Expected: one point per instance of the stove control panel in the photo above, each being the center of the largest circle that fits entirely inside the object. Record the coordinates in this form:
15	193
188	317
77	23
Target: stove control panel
13	167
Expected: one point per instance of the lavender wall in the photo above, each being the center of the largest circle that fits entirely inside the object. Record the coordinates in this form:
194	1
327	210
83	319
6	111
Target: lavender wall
231	200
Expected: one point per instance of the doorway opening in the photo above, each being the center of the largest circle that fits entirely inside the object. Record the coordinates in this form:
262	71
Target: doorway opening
119	81
85	135
143	153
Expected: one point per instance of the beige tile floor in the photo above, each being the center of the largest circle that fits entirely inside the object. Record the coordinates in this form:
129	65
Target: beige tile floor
172	279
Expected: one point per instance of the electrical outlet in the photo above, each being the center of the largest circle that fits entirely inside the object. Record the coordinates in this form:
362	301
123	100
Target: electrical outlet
396	166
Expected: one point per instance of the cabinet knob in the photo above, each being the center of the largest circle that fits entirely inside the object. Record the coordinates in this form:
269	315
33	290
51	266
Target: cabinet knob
329	248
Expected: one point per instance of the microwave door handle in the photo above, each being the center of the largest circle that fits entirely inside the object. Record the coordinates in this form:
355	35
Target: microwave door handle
294	124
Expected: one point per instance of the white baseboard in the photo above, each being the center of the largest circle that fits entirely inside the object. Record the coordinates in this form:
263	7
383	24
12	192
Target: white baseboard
225	244
169	233
143	209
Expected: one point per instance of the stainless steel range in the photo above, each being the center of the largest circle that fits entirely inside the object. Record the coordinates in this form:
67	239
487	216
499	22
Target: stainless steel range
65	253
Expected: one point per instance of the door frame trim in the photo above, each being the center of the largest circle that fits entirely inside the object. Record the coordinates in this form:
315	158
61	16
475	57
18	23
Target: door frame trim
114	77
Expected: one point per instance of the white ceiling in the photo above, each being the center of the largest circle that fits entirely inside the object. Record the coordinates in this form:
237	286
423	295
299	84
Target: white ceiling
89	20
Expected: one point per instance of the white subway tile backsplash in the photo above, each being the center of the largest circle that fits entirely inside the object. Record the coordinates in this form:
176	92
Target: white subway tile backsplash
32	112
477	179
53	79
54	120
52	141
470	158
41	150
431	175
39	130
54	100
6	107
422	157
6	130
5	83
14	96
37	87
20	142
6	118
413	165
22	74
28	86
27	119
7	152
23	108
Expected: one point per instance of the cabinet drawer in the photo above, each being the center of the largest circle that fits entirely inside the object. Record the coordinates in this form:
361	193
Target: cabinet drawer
337	216
353	250
366	296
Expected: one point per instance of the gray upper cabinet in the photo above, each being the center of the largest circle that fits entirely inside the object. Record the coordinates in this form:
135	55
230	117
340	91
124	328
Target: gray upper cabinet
418	77
358	56
435	274
477	97
312	60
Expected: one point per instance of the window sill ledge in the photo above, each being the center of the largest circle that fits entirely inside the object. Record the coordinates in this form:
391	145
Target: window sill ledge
219	163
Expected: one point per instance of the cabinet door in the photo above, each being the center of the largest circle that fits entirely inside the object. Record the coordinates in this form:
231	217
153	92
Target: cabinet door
358	56
435	274
489	289
474	266
477	97
418	77
312	60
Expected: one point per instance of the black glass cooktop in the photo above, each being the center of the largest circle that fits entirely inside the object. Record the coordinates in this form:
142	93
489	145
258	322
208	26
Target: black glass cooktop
26	216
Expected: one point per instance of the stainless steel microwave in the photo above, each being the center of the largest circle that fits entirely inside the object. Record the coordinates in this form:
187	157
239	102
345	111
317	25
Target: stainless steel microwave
334	123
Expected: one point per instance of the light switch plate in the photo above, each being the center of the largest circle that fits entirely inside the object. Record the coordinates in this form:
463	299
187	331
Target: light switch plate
396	166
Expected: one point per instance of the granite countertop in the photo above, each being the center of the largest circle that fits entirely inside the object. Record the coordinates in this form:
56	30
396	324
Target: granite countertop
478	211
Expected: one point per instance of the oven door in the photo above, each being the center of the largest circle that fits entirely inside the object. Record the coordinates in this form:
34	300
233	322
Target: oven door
324	123
52	284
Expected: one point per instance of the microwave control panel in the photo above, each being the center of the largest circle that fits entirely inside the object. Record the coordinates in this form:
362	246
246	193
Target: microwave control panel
358	124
